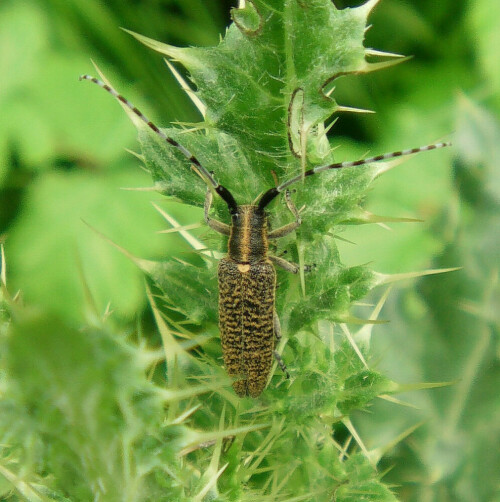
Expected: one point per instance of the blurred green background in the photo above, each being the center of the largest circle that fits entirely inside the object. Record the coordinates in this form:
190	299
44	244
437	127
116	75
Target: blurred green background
63	161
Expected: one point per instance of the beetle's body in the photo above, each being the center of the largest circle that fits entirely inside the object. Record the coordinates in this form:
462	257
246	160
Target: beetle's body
247	285
246	322
249	326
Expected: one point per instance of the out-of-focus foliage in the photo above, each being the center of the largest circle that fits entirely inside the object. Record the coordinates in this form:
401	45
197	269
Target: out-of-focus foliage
449	329
62	160
62	147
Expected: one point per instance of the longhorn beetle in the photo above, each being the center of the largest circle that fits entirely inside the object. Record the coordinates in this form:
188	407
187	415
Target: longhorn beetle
248	323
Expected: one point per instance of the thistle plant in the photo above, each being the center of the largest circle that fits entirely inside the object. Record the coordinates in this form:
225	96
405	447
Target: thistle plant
111	430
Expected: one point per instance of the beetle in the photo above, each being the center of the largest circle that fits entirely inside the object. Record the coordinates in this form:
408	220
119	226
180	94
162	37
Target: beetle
248	323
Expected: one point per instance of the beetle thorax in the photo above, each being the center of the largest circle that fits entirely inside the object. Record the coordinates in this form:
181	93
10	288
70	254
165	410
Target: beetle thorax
248	238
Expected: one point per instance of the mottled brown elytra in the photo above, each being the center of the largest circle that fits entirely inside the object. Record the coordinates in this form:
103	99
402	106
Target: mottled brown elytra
249	325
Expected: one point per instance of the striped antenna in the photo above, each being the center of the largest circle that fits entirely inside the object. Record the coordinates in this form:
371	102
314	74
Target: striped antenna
223	192
273	192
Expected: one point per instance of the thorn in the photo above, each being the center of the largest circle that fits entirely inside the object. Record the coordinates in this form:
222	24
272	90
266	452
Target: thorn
357	320
343	452
343	239
383	167
146	266
350	427
363	336
384	226
367	217
353	344
407	387
3	266
139	156
140	189
172	395
172	349
184	416
377	453
191	240
350	109
90	303
192	226
187	89
330	125
330	92
173	52
24	488
388	278
369	67
392	399
211	483
374	52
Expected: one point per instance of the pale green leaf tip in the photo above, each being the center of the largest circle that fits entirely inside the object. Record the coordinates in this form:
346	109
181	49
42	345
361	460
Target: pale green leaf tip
356	320
350	427
366	8
383	54
3	266
177	53
382	65
377	453
102	75
363	335
171	347
24	488
146	266
139	189
392	399
200	496
222	432
90	304
138	156
367	217
388	278
189	238
383	167
398	388
170	395
350	109
187	89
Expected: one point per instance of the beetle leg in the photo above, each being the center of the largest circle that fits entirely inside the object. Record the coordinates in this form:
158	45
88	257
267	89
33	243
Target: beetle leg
216	225
281	364
277	327
290	227
287	265
277	334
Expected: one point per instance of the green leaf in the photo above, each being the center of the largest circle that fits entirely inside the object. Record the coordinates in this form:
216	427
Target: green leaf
447	329
252	80
266	94
77	405
50	239
483	29
267	91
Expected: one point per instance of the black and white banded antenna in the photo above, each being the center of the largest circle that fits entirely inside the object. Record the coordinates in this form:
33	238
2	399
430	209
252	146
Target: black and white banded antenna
207	176
268	196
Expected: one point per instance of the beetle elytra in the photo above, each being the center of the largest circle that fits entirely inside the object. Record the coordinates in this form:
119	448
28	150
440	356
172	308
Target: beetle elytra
248	323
